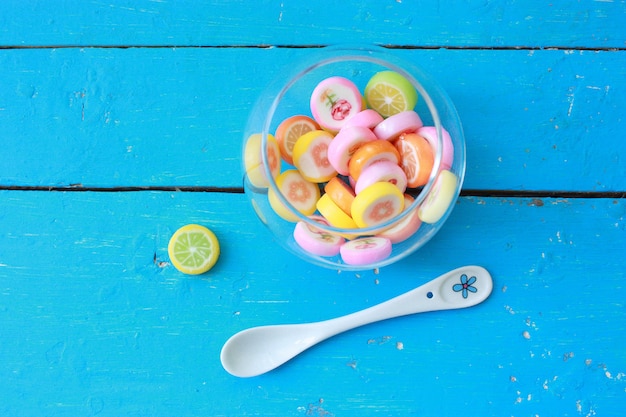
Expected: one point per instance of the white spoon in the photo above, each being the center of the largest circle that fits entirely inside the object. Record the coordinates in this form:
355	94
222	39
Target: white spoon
257	350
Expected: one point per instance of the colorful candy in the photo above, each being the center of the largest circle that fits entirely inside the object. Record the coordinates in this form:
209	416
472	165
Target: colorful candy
392	127
310	156
370	153
366	118
334	214
363	160
380	172
289	131
417	158
406	227
253	161
439	197
315	240
300	193
341	194
378	203
345	144
390	93
334	101
447	154
365	250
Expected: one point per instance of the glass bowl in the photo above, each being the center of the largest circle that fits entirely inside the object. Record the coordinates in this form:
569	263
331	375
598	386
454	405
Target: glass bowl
290	95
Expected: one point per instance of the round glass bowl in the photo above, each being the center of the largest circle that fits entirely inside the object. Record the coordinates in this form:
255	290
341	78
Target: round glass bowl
290	95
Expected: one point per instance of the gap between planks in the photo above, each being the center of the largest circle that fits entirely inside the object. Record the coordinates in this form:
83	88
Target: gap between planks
318	46
240	190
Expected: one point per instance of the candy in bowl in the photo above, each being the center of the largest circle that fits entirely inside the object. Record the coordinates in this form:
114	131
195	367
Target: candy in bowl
353	158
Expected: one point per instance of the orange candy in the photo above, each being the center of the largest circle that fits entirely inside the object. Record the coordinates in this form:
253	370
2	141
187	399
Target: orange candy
289	131
417	158
341	193
370	153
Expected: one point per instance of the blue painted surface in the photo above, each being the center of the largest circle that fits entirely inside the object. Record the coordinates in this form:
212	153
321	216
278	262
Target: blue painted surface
406	22
95	321
175	117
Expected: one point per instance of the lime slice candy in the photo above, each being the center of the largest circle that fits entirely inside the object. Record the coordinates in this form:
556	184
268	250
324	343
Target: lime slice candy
390	93
193	249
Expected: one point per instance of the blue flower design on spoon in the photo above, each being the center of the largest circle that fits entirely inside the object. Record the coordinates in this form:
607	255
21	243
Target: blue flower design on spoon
465	285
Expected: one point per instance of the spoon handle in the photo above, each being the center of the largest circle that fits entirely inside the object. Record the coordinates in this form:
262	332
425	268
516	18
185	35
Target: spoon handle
459	288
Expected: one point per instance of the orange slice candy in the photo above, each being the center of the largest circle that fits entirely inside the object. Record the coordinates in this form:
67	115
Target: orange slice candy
417	158
289	131
370	153
341	193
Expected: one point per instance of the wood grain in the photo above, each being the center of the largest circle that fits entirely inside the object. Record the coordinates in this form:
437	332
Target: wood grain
124	102
457	23
88	299
533	120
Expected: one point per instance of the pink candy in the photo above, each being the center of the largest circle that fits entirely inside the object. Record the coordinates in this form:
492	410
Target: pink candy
365	250
392	127
334	101
447	153
381	171
317	241
345	143
367	118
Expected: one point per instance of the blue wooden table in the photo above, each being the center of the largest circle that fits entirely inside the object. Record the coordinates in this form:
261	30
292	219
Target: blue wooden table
121	121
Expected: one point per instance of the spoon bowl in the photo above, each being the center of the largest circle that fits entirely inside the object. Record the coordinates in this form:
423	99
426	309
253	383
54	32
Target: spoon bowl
258	350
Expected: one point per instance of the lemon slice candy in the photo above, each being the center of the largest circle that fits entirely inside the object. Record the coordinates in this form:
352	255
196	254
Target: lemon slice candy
193	249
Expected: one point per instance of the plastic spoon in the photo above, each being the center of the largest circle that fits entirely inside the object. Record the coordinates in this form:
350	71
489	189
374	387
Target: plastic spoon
257	350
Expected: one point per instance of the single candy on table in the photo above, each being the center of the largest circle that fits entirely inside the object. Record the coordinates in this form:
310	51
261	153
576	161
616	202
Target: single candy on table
334	101
300	193
193	249
365	250
310	156
345	144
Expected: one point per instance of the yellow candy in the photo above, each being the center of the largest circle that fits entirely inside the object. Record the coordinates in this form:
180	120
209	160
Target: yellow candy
377	204
253	162
439	198
310	156
299	192
333	214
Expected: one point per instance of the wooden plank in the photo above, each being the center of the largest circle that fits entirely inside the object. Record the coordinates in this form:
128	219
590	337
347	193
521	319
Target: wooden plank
502	23
533	120
94	320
